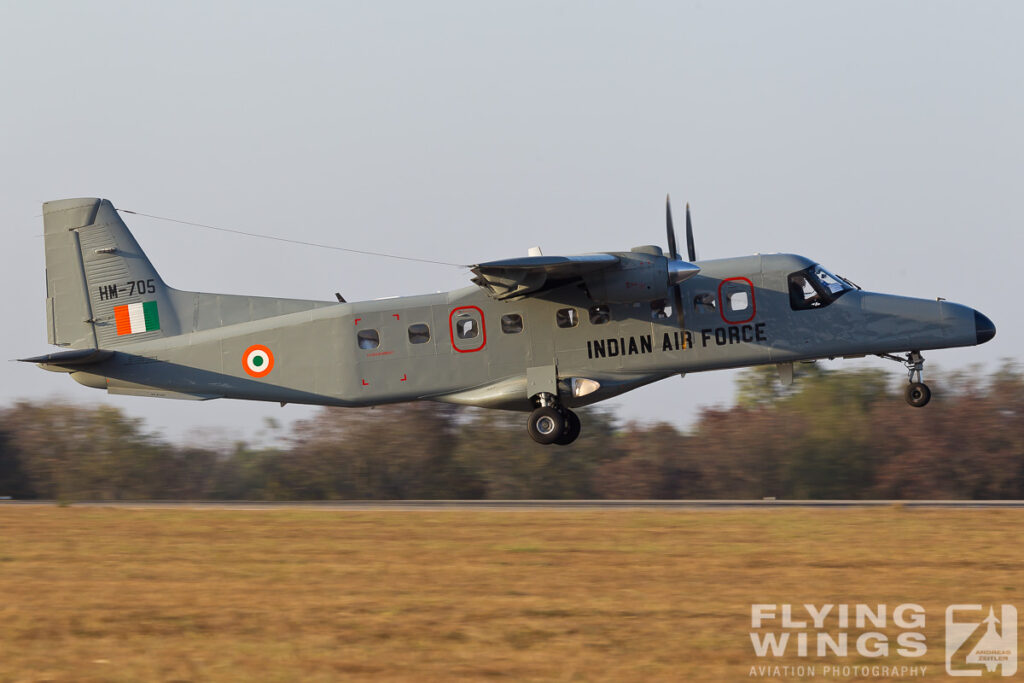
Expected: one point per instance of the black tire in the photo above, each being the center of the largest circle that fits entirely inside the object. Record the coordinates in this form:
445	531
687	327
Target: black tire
572	429
918	394
546	425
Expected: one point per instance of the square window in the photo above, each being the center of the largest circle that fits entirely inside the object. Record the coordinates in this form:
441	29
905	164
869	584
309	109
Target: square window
739	301
567	317
660	310
704	302
419	333
466	328
368	339
512	323
600	314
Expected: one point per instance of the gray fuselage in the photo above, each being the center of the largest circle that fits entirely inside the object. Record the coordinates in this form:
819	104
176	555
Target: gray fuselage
318	359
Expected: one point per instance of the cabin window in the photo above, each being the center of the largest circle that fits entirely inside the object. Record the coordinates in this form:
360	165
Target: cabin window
704	302
467	328
660	310
512	323
567	317
368	339
419	333
739	301
600	314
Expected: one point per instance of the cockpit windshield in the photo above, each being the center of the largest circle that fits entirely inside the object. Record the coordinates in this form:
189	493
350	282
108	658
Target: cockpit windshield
834	283
815	287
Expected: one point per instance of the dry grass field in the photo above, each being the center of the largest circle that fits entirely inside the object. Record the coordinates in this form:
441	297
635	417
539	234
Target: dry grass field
111	594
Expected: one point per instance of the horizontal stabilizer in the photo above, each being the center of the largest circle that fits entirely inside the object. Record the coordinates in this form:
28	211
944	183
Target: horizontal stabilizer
75	357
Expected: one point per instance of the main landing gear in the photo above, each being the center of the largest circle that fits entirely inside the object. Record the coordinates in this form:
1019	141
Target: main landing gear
917	393
553	423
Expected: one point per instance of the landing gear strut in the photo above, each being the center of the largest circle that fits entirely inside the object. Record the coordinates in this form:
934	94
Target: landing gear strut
917	393
552	423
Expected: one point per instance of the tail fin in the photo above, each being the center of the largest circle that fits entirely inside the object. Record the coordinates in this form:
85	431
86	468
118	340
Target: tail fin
102	291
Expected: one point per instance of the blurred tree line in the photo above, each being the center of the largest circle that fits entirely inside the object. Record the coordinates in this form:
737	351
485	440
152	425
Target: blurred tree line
832	434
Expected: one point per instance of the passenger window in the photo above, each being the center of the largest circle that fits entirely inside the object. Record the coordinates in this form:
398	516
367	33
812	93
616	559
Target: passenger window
600	314
512	323
705	302
660	310
419	333
739	301
466	328
368	339
567	317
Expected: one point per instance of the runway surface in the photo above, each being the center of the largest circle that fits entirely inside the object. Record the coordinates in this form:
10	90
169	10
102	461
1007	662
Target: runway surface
526	504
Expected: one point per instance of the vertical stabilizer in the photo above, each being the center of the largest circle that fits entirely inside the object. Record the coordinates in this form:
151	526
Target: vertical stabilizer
101	290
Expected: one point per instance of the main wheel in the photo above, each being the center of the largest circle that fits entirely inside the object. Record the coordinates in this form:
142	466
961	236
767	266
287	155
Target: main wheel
546	425
571	431
918	394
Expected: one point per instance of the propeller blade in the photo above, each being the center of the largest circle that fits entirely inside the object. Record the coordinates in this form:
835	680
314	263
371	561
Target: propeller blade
677	290
677	295
691	250
672	253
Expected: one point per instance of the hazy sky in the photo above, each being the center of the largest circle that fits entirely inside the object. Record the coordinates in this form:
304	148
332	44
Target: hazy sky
883	139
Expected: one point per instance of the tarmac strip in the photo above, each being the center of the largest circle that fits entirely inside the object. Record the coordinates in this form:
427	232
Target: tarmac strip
767	504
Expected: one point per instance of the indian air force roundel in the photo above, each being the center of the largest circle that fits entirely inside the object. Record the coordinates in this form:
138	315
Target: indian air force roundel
258	360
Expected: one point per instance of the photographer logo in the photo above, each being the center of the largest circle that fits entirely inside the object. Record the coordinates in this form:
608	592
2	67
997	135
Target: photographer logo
978	644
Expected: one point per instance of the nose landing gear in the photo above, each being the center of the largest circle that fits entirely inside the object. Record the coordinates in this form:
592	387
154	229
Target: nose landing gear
552	423
917	393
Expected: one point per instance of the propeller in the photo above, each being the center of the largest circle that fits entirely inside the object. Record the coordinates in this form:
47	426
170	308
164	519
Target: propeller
677	290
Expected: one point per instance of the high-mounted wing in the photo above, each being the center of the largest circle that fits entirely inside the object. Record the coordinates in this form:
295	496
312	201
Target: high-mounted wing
518	277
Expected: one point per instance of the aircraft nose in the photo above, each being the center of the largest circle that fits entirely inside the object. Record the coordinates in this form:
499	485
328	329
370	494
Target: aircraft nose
983	327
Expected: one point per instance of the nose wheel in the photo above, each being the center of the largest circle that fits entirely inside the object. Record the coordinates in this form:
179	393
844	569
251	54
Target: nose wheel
552	424
917	393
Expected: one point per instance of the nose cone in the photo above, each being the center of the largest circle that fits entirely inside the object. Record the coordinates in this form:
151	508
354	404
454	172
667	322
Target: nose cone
984	327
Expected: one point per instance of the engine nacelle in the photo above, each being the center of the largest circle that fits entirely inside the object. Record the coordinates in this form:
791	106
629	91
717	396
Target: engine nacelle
639	276
643	274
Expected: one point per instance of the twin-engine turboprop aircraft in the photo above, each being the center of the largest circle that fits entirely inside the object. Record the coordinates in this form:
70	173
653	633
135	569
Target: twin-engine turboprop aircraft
540	334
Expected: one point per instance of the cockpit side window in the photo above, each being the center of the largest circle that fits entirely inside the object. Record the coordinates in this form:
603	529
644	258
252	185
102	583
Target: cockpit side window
815	287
